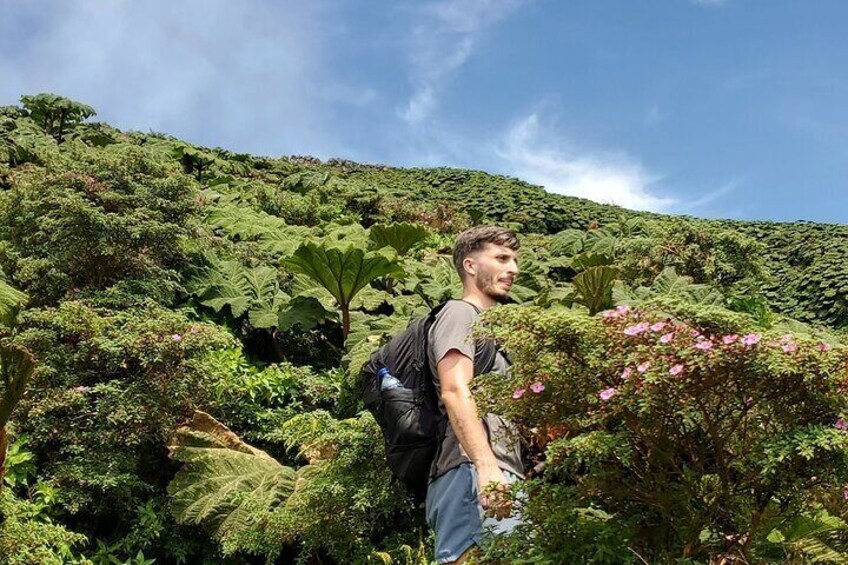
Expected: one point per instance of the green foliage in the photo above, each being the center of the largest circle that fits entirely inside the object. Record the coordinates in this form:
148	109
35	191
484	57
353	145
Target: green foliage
19	463
345	506
124	379
55	114
342	271
690	429
706	252
158	274
109	216
594	287
29	537
402	237
254	292
224	483
11	303
668	285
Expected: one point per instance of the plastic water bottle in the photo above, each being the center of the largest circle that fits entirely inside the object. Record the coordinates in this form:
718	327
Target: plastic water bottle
387	380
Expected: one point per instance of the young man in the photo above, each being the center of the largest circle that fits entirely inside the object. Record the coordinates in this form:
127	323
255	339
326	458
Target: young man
478	457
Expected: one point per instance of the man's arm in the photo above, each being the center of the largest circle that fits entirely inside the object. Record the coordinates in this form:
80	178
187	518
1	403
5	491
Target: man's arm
455	373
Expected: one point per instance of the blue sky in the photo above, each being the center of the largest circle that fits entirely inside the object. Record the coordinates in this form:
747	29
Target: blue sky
715	108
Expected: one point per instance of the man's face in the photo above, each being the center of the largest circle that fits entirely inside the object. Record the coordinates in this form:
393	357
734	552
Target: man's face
495	268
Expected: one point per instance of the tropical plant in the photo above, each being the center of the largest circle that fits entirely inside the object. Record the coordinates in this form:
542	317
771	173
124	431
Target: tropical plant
225	484
697	432
56	114
342	271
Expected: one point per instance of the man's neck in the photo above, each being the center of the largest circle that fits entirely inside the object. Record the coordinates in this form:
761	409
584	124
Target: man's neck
479	299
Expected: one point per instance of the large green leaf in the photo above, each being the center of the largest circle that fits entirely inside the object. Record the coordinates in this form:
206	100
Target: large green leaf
242	223
594	287
224	483
342	271
254	291
304	311
668	284
402	237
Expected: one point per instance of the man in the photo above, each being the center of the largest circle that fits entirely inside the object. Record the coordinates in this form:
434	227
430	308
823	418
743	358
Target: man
478	457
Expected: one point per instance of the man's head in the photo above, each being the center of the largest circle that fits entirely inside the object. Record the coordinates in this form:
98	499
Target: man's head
486	258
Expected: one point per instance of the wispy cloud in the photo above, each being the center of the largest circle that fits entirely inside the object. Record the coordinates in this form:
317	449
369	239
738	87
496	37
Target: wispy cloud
654	116
442	42
710	197
249	74
540	158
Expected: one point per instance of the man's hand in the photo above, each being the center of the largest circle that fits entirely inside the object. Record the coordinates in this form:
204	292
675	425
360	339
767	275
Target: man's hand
493	491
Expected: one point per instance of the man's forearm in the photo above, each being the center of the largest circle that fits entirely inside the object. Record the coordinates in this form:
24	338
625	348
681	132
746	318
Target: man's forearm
469	430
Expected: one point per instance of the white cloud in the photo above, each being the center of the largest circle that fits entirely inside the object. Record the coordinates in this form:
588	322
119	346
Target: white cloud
443	42
605	178
251	74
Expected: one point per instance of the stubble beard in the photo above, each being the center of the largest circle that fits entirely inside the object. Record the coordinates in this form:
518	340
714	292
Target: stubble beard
487	284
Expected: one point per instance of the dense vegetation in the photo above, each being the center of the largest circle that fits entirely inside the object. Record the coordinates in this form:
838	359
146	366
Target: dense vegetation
183	328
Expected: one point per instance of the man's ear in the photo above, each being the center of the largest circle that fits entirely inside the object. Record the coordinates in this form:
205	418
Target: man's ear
469	266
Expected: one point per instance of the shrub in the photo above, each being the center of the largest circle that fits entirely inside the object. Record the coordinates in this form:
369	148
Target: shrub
116	214
694	432
107	390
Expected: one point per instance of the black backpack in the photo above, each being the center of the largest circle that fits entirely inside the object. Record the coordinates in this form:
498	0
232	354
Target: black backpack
409	416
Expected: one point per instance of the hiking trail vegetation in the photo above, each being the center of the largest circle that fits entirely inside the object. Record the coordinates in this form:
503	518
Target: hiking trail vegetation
182	329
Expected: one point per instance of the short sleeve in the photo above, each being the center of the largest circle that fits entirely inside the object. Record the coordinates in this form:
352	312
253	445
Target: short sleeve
452	330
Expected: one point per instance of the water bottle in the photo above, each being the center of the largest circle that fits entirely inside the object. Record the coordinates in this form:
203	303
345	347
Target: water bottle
387	380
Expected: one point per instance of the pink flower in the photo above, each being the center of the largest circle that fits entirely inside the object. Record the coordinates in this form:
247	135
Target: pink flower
537	387
622	309
519	392
729	339
704	345
609	314
81	389
176	337
607	393
667	338
845	492
626	373
824	347
751	339
695	333
644	366
637	329
841	424
676	370
790	347
658	327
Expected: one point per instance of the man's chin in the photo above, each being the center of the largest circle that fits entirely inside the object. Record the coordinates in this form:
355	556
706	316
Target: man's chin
501	297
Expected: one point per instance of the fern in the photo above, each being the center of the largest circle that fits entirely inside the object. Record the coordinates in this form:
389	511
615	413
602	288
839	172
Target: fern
224	484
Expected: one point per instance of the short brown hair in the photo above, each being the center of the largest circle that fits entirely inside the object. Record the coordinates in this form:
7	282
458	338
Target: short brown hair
476	238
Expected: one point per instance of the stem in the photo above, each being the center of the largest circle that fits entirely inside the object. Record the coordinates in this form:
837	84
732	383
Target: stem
4	442
345	321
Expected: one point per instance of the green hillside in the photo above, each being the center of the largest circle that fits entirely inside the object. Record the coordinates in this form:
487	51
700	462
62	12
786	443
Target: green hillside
160	278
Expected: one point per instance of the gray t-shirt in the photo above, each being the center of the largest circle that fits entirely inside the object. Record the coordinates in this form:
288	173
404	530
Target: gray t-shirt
451	330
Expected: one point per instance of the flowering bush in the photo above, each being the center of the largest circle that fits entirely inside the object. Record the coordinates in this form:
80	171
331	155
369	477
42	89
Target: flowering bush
693	432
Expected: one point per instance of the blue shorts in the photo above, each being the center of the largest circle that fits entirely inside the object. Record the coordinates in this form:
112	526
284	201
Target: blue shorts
454	513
